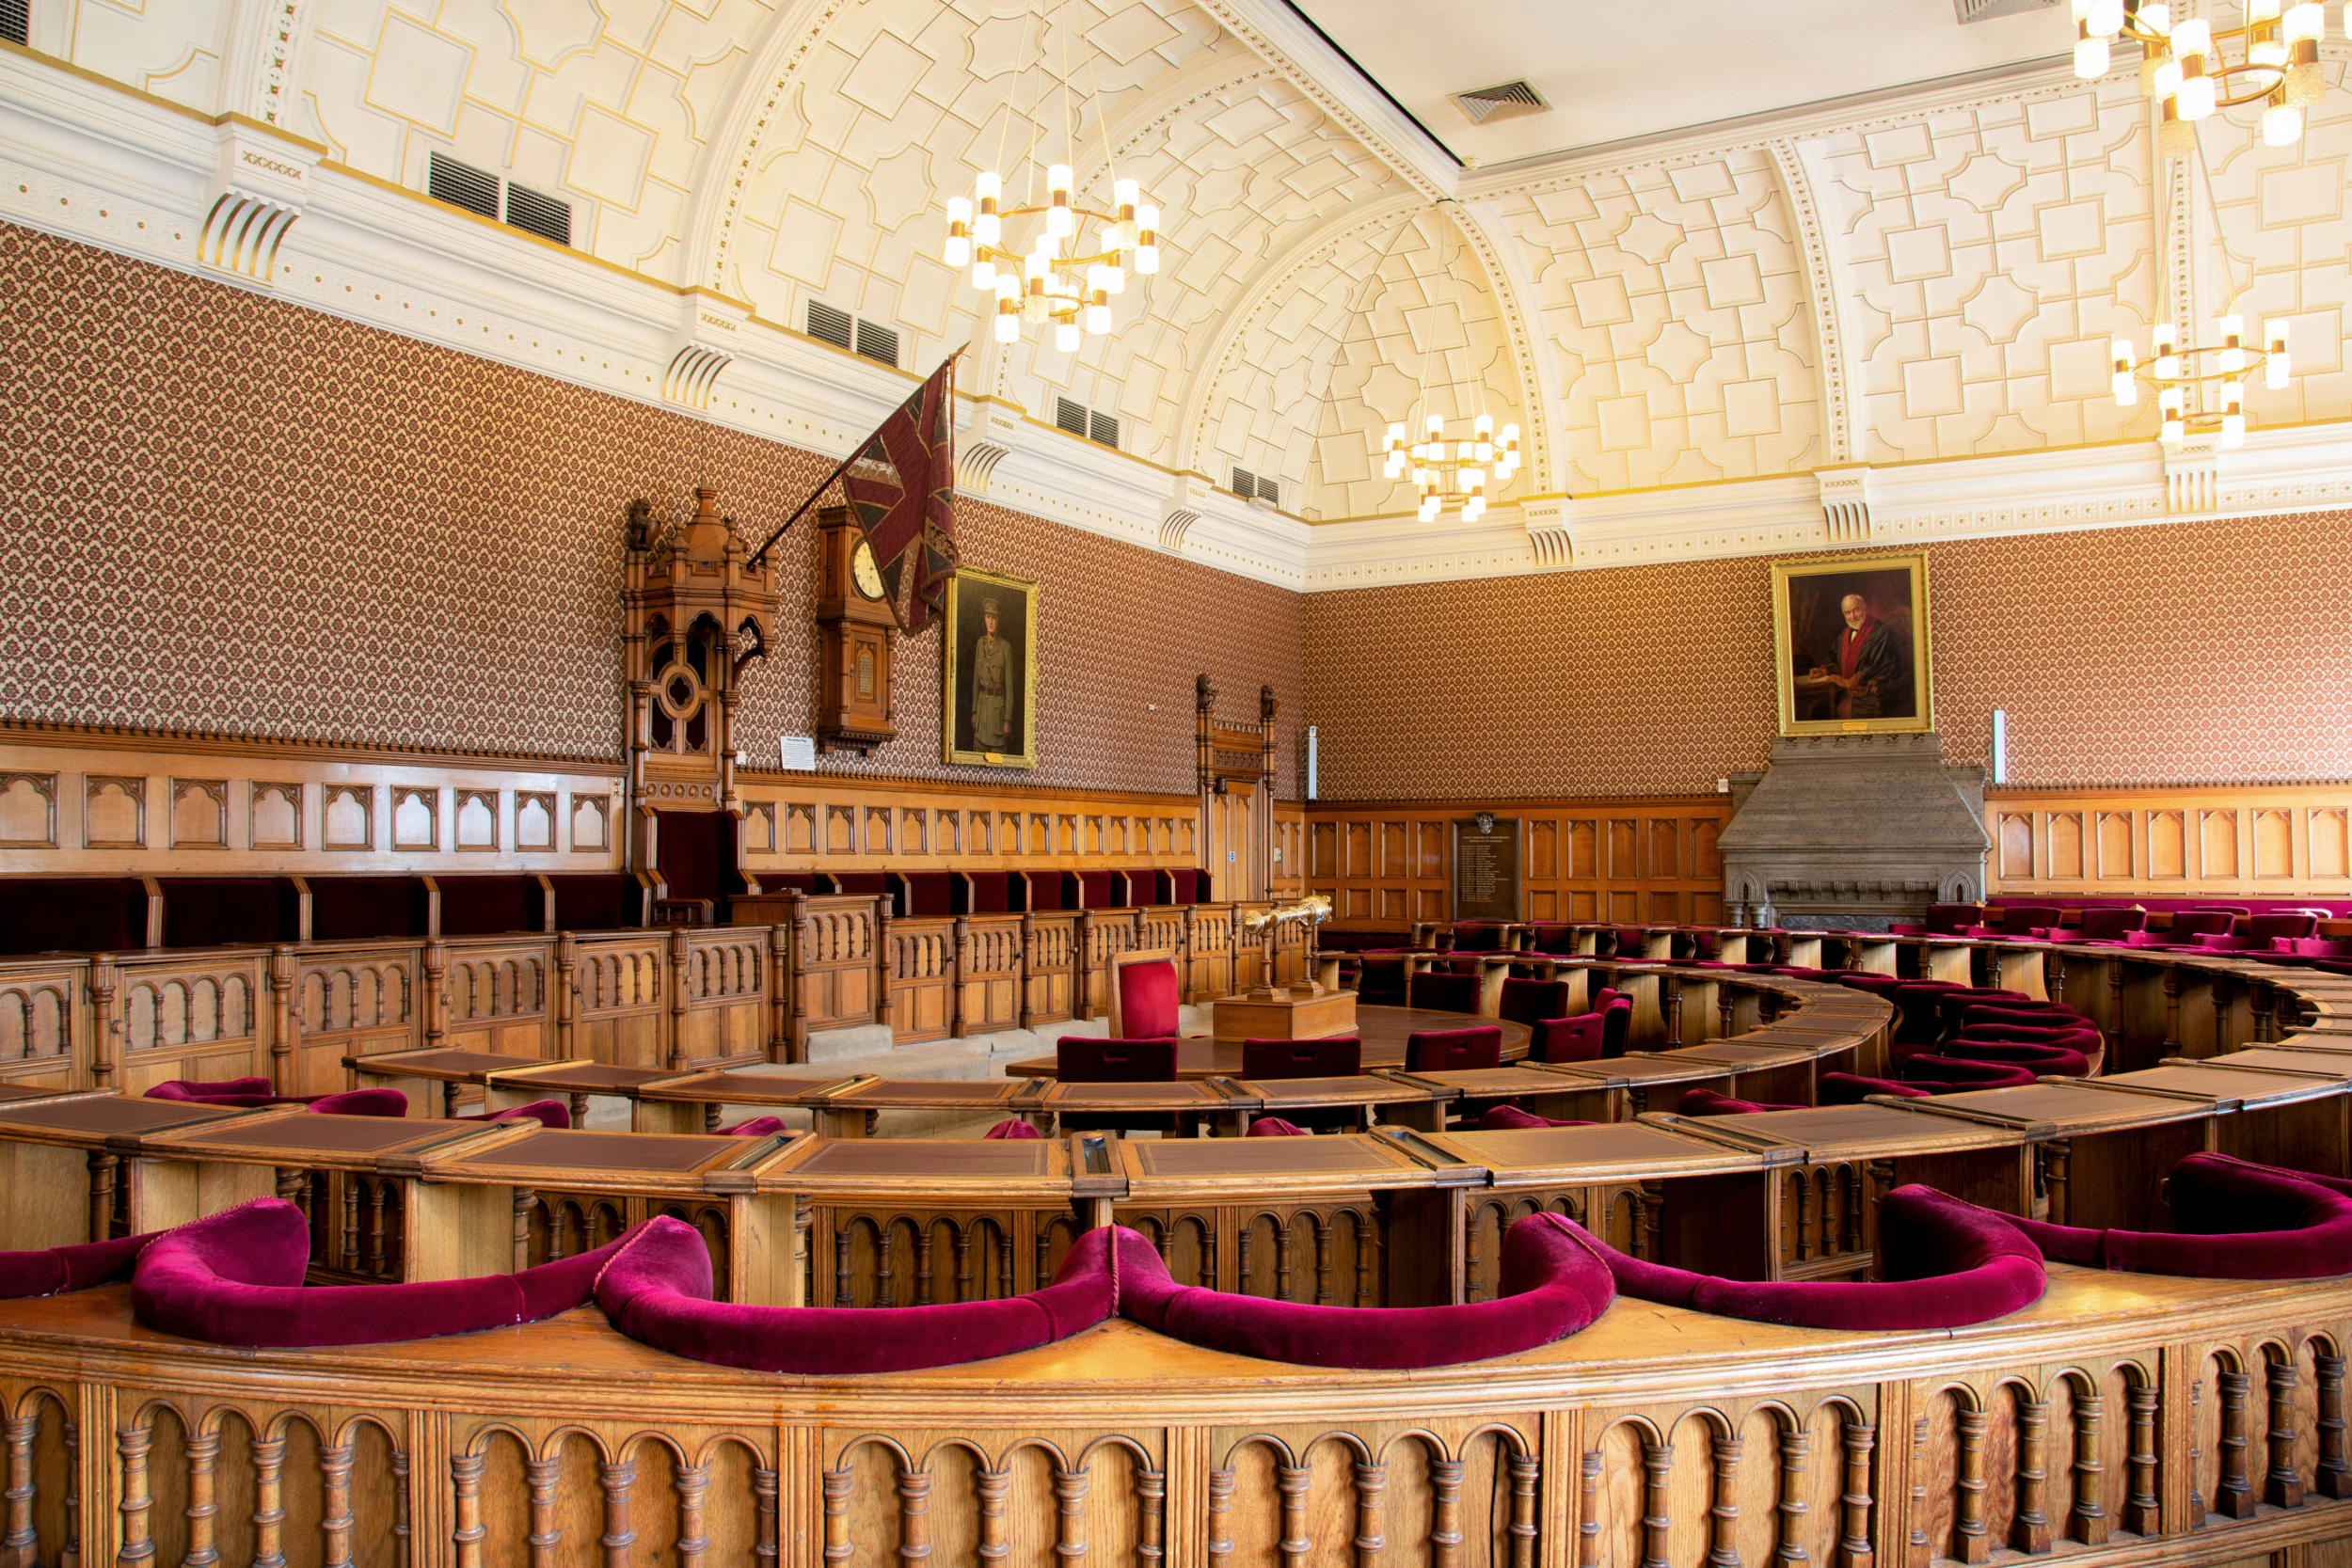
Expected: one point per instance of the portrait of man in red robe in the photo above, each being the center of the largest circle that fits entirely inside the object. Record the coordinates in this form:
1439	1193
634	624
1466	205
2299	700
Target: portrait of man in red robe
1850	647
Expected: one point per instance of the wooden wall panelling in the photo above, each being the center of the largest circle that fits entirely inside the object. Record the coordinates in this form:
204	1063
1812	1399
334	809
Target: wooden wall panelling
45	1023
1051	966
190	1015
496	994
2249	842
719	1013
836	824
83	806
920	964
1638	860
621	989
349	999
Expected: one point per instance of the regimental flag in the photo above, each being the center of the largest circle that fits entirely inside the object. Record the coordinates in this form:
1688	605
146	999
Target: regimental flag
903	488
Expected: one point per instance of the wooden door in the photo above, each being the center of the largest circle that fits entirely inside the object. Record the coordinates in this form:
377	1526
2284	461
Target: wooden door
1238	851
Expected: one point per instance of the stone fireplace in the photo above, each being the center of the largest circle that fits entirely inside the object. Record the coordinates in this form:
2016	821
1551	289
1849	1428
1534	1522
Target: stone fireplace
1852	833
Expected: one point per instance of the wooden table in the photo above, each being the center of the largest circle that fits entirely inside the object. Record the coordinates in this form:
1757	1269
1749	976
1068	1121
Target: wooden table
2101	1153
1535	1088
89	1144
1383	1030
505	1082
841	1105
2291	1115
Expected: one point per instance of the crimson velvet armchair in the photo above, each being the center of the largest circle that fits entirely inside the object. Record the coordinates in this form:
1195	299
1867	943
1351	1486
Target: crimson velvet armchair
1551	1286
1567	1039
2234	1220
1944	1264
235	1278
1454	1050
658	1290
1145	999
1951	1074
1437	990
1333	1056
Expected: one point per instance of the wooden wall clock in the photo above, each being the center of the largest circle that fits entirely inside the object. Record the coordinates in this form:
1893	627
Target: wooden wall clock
853	638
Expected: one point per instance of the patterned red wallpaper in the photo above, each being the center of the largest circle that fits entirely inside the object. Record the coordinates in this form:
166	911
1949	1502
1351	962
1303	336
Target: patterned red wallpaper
235	514
2193	653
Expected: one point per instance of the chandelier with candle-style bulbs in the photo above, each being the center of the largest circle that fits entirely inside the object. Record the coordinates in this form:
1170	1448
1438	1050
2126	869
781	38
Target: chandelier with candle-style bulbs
1078	256
1450	472
2177	370
2188	71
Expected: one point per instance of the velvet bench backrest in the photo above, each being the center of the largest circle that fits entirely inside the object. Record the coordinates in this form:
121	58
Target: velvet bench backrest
62	1270
492	905
2235	1220
599	901
658	1290
72	914
235	1278
223	912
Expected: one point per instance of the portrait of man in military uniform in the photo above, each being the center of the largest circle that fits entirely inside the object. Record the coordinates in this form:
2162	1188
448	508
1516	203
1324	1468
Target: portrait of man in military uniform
990	689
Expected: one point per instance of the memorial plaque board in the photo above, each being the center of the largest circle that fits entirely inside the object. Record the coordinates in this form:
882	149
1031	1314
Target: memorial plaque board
1486	867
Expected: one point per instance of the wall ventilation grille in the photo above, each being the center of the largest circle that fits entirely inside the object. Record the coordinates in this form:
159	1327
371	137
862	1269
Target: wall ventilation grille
481	192
16	21
830	323
1256	486
1507	100
1077	418
877	343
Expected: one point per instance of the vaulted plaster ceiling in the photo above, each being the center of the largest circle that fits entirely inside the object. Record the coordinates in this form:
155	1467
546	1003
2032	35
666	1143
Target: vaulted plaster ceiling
1932	274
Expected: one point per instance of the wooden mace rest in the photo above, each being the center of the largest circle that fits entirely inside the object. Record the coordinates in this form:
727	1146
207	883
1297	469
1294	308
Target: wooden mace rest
1304	1011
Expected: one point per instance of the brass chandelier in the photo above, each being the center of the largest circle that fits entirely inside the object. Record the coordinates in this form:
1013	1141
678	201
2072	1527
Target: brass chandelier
1450	472
2187	69
2175	372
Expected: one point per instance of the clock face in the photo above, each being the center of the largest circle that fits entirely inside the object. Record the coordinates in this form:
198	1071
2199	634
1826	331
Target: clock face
864	573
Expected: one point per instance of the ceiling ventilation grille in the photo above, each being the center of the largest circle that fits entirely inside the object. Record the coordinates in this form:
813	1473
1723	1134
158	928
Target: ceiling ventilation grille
16	21
1514	100
1985	10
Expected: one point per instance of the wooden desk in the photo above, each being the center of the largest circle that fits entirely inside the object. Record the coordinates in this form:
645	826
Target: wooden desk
1378	1216
88	1144
1377	1097
2277	1114
839	1105
544	1194
1141	1105
1849	1157
1538	1089
361	1180
911	1220
2101	1153
1648	1191
1768	1071
1383	1030
407	1070
580	1081
1636	1080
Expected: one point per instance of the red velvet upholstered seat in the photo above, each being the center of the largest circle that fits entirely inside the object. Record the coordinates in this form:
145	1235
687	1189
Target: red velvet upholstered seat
1528	1001
1012	1129
1454	1050
1275	1127
235	1278
1945	1264
547	1113
1853	1088
1616	1023
1946	1074
362	1103
1567	1039
1552	1285
2235	1219
2042	1015
658	1290
1707	1103
2045	1060
2106	925
194	1088
1148	998
1333	1056
1510	1118
61	1270
758	1127
1089	1059
1440	991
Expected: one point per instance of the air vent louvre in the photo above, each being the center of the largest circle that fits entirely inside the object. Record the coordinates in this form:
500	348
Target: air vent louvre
1269	491
536	214
16	21
1070	416
462	185
1245	483
1104	431
830	325
877	343
1504	100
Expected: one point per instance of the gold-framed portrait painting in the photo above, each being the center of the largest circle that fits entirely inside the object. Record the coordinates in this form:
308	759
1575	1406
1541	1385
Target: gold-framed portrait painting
1850	641
988	693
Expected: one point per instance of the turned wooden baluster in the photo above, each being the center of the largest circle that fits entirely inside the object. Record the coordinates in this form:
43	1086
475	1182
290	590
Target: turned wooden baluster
841	1296
923	1265
1851	1186
1283	1248
1723	1506
1728	1012
335	1505
400	1556
693	1532
294	1185
2171	1011
993	1487
1969	1542
465	1475
764	1507
2086	1521
1005	1286
1474	1255
2234	1498
915	1515
1588	1511
1150	1517
131	1444
885	1276
618	1478
1291	1481
1323	1258
1245	1273
2141	1512
960	1240
837	1547
1804	1179
1526	1471
1653	1220
2057	1157
102	1195
2029	1529
1857	1438
2335	1471
1796	1447
269	1502
525	1201
1372	1485
1220	1512
72	1554
2282	1486
16	1548
1915	1547
1364	1259
541	1475
1658	1463
1445	1512
354	1259
380	1204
